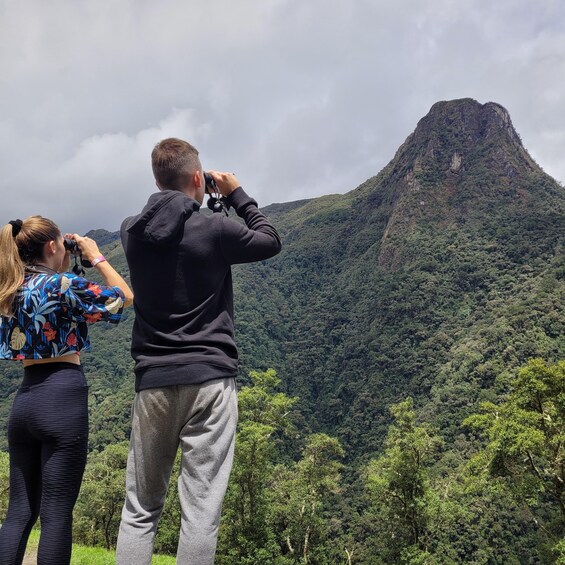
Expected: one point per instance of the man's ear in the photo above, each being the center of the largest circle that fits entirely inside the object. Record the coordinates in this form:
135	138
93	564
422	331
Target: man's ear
197	179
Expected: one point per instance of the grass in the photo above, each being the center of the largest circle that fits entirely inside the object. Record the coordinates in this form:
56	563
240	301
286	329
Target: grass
83	555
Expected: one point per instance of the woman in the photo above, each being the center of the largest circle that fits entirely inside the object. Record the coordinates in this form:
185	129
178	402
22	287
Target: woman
44	312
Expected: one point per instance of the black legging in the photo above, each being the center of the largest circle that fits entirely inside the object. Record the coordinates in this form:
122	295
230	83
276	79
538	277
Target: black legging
47	439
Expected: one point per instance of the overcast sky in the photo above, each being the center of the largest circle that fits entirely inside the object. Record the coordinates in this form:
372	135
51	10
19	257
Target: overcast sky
298	97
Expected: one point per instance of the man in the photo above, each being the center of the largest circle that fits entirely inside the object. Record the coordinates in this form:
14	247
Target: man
184	350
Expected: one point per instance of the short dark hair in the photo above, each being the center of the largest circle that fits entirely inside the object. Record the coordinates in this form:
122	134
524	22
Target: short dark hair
174	161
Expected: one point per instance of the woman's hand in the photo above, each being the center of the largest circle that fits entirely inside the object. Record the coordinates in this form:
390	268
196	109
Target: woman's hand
89	250
88	247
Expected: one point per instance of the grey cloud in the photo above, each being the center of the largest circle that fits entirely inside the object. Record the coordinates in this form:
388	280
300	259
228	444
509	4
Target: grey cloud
298	98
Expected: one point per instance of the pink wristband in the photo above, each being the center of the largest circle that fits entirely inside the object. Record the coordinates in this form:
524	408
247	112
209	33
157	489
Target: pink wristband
99	259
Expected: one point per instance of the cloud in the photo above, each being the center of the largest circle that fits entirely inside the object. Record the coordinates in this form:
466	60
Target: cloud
298	98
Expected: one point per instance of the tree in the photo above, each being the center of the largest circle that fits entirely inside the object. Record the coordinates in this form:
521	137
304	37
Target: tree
525	438
245	535
400	493
299	512
98	509
4	484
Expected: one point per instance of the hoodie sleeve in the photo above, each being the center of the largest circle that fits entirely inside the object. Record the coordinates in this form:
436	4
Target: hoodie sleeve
255	241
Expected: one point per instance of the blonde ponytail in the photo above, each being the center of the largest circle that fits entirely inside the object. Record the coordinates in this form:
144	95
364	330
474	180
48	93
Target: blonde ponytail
11	270
21	244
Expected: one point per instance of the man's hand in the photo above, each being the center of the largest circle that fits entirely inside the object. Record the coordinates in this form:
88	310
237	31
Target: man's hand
226	182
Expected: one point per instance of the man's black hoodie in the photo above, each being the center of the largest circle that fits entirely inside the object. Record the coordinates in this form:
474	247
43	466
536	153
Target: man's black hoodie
180	268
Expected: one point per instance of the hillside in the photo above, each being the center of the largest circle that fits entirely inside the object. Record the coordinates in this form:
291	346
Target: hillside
431	279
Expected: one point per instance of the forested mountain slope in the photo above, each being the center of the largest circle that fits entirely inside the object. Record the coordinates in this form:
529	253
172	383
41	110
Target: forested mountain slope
430	279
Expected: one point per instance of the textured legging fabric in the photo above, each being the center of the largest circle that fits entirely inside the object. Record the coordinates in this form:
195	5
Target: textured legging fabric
47	441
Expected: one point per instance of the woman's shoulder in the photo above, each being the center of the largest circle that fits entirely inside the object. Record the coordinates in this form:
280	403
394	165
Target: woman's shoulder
65	280
39	281
50	282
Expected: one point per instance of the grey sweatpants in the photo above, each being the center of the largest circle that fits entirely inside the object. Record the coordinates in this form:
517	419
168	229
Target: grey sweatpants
202	420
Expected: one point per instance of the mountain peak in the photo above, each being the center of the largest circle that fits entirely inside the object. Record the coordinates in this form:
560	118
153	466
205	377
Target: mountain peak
457	136
468	118
463	160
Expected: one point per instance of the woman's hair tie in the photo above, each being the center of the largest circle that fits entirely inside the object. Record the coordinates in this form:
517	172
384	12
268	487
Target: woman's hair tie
16	227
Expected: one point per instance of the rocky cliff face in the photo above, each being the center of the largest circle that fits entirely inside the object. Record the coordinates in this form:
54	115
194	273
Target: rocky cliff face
462	157
452	132
467	120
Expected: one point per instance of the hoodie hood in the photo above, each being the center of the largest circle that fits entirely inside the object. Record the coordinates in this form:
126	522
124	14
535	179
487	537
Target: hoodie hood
162	217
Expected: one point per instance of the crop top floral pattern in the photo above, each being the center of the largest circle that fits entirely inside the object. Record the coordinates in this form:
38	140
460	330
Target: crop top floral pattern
51	312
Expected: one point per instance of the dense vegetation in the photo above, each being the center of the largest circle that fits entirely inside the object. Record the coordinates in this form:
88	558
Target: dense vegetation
409	424
420	501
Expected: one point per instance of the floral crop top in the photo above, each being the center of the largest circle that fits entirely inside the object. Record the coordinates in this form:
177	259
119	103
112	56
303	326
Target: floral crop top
51	312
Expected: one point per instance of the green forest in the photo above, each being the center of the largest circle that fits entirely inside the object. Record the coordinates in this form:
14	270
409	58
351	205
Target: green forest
402	369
